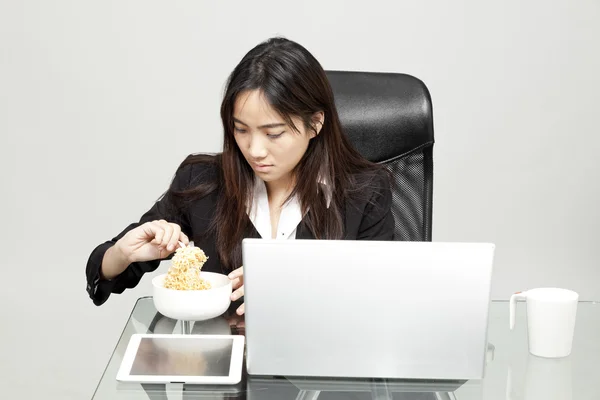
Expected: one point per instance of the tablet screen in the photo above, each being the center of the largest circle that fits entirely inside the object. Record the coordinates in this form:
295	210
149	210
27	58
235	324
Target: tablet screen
161	356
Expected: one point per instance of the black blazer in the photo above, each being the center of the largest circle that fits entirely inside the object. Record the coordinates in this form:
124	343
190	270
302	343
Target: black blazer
364	220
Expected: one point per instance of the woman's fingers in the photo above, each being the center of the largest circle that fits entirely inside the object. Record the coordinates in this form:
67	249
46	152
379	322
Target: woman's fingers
152	240
174	241
158	232
236	273
237	277
236	283
241	310
184	239
168	233
237	294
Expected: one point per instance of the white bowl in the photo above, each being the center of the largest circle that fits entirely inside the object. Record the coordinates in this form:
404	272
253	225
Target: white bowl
193	305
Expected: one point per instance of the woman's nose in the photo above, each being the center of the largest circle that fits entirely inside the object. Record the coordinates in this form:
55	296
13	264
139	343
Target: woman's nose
257	148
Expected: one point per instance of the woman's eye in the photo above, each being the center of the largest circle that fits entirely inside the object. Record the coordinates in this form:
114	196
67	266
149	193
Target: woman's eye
239	130
275	136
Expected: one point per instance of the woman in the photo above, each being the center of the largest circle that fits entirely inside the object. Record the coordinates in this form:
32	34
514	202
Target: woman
287	171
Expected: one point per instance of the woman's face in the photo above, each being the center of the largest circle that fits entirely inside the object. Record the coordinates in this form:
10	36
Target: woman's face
271	147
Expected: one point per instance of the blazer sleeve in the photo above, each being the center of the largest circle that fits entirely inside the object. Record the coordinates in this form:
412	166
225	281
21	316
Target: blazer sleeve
98	289
378	221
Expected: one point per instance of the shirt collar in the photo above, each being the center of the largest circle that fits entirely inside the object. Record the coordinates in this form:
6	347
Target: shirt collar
291	213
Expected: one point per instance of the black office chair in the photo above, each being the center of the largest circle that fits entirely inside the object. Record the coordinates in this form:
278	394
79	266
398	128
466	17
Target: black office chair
388	118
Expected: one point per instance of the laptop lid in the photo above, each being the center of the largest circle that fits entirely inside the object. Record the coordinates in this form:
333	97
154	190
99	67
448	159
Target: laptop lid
416	310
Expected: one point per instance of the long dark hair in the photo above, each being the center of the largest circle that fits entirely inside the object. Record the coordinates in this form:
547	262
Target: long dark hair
295	85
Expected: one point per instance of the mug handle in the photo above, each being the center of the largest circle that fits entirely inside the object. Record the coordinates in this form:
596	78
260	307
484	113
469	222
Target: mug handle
513	306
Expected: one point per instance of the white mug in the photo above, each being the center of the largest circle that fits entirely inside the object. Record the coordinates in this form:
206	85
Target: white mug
551	314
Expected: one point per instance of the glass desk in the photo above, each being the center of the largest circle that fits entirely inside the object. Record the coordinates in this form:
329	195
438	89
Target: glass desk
511	373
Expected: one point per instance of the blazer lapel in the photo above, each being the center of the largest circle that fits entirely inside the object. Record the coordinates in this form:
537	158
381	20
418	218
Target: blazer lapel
253	233
302	232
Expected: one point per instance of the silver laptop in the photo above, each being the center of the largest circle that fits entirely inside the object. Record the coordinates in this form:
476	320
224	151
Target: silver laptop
367	309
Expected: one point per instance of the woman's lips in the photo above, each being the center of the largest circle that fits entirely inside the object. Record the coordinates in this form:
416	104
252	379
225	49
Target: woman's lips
262	167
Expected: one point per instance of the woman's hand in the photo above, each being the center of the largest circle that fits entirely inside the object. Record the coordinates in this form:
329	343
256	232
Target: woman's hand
237	277
151	241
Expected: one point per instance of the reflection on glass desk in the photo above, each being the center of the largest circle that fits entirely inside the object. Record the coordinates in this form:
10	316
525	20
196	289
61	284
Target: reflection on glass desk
511	372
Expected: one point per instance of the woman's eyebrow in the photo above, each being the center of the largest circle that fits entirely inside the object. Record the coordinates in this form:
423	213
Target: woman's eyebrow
266	126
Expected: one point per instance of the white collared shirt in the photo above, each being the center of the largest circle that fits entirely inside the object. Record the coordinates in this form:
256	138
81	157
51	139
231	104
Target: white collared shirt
289	218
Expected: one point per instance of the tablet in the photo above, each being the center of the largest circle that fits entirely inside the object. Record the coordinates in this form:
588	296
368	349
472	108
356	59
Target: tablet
193	359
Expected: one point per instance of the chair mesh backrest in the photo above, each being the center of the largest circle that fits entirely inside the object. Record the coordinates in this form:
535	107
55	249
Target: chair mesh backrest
388	118
411	197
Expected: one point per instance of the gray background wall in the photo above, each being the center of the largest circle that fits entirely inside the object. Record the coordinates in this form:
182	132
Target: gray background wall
100	101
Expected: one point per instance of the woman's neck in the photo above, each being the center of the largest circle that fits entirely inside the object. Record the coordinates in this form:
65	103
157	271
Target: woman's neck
278	191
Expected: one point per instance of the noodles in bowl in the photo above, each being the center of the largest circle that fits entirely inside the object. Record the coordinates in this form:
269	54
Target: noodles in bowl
184	273
186	292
